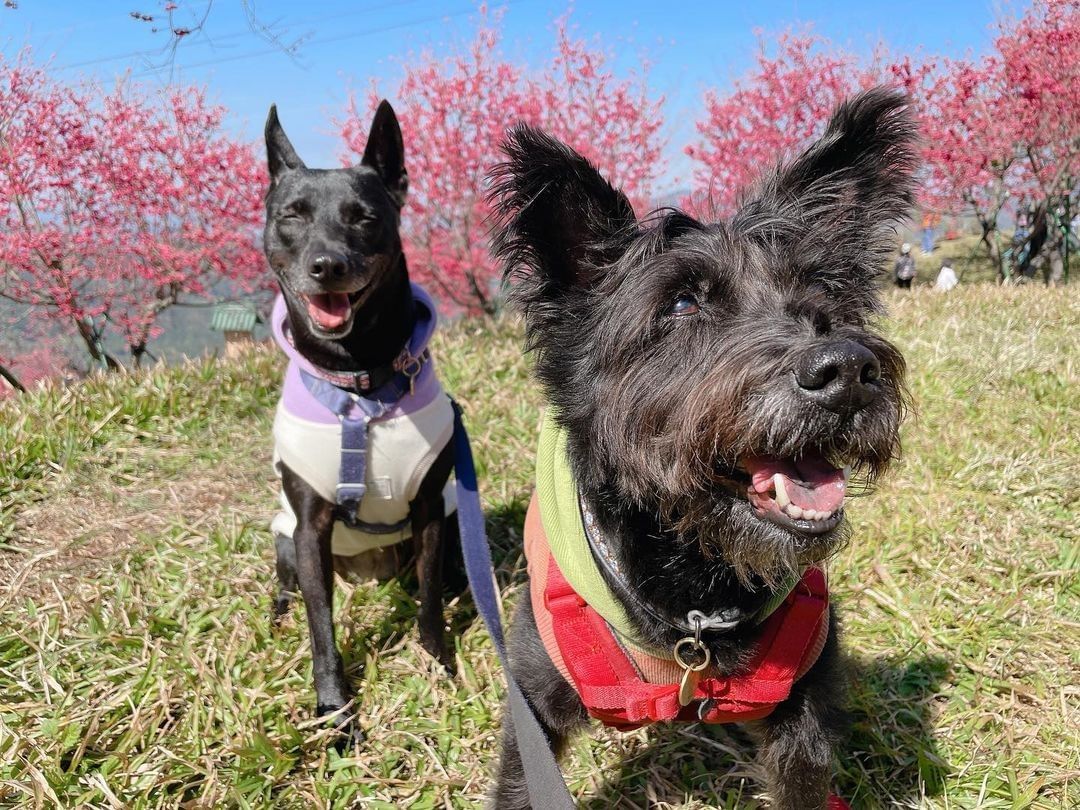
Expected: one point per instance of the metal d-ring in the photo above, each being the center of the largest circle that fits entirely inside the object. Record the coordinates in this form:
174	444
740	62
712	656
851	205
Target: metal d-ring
697	645
412	366
411	369
689	681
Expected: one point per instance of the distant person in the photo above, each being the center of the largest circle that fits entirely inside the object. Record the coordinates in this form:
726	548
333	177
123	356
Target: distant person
904	271
946	277
1023	223
929	220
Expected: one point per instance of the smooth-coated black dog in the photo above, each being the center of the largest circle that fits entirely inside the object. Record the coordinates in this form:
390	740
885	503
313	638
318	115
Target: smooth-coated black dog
332	239
715	382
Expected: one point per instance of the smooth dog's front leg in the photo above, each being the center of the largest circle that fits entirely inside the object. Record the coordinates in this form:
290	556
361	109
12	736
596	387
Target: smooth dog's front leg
288	585
554	701
315	572
428	514
798	740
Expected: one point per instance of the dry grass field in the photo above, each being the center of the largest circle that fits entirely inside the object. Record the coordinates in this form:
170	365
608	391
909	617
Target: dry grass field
138	667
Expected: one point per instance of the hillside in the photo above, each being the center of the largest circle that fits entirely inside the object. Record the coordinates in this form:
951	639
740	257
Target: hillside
138	668
186	330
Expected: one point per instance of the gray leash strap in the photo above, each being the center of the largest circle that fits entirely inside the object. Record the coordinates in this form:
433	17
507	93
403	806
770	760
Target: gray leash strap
547	789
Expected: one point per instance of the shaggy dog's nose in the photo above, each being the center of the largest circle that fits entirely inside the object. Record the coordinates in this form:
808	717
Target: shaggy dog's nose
327	265
842	377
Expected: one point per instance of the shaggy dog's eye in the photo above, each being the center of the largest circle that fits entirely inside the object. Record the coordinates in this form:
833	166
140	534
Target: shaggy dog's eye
685	304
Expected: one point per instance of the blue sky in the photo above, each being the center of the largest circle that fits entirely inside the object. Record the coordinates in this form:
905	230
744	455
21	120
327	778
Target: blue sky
690	45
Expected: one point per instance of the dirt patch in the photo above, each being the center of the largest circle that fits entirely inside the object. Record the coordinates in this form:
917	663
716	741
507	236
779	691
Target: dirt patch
90	519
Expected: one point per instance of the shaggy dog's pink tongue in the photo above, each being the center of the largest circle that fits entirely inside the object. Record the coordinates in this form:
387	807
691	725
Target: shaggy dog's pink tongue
329	310
805	489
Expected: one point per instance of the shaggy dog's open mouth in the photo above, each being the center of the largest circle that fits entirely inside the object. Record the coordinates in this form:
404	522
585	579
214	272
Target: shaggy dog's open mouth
331	312
804	495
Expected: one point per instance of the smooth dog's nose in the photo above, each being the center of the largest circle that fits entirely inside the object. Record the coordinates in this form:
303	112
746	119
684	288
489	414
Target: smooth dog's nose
842	376
327	265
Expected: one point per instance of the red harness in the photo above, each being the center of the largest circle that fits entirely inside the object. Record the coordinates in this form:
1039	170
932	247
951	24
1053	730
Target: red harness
614	692
609	681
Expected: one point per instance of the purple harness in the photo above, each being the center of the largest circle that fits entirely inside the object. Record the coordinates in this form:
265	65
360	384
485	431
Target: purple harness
316	395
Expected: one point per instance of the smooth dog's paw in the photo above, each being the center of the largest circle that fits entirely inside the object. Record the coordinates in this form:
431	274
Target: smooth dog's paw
436	648
282	602
349	734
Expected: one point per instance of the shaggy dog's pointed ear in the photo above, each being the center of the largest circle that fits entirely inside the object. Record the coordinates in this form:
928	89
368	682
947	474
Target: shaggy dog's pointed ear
558	222
385	152
280	155
837	205
865	158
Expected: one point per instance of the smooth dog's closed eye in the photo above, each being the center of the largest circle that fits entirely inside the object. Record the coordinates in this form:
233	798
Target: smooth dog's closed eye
332	236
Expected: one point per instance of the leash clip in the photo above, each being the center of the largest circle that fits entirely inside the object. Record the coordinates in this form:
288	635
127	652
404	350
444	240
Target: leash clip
691	669
724	620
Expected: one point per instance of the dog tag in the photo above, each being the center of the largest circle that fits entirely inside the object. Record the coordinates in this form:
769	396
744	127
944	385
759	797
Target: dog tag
691	669
688	685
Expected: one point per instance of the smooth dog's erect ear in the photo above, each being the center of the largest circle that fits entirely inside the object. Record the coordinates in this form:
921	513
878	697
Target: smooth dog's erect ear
385	152
557	220
840	201
280	155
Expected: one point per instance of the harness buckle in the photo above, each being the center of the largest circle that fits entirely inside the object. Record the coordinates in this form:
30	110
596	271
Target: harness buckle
361	380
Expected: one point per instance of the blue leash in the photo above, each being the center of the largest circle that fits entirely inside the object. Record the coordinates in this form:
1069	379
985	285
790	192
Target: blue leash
547	790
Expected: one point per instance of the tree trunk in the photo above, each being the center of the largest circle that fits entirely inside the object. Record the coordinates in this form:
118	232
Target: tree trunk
137	346
992	248
9	375
139	352
94	347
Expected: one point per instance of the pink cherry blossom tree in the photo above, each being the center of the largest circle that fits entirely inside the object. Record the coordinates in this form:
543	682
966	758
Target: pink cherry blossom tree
125	204
455	110
995	129
1040	65
1006	126
7	375
968	141
781	105
29	367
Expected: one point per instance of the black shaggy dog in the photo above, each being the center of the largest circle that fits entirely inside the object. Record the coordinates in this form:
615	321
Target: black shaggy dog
715	382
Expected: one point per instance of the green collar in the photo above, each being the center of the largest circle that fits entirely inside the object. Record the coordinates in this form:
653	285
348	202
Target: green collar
561	516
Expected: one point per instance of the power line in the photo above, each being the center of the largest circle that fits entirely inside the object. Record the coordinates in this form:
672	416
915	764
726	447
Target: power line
321	41
207	40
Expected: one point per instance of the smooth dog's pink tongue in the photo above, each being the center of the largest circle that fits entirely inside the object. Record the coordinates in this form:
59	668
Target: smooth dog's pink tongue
810	482
329	310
